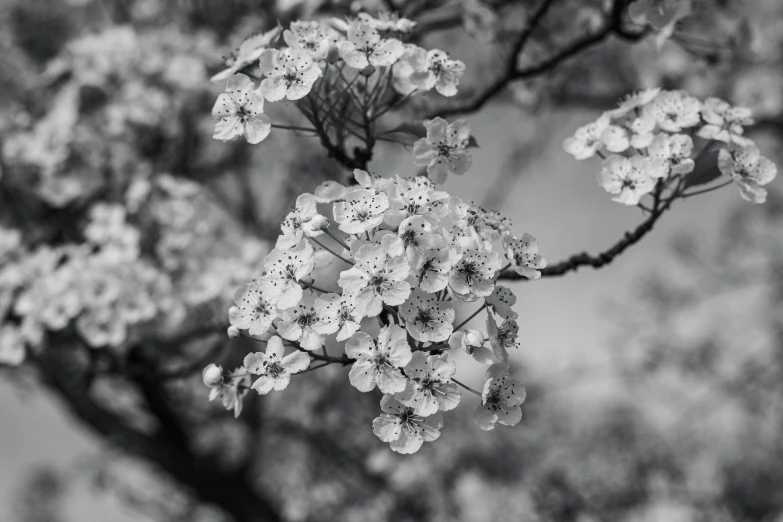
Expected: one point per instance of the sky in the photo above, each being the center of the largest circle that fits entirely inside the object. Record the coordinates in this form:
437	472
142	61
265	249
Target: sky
565	322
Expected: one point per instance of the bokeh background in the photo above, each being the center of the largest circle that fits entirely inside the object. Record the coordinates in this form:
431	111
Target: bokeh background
655	385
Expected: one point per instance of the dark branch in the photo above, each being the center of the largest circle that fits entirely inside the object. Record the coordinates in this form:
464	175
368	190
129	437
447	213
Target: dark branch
612	25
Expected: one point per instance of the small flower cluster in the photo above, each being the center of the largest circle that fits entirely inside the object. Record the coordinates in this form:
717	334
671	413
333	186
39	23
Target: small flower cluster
411	253
362	60
655	138
100	288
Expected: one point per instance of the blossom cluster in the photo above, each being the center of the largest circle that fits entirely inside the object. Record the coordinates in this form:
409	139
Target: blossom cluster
363	60
410	254
655	138
102	287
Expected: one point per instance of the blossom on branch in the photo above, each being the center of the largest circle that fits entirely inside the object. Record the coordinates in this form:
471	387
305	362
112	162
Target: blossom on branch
240	112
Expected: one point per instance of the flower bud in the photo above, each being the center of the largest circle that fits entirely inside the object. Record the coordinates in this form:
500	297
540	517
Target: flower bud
333	54
367	71
319	223
212	375
233	332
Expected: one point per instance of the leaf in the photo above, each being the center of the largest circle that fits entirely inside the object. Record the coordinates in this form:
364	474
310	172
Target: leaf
705	170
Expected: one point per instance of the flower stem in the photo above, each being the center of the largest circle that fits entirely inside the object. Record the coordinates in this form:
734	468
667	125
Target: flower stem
471	390
335	254
474	314
330	234
704	191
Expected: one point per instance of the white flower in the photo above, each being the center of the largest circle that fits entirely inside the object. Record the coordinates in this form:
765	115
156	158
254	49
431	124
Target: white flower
253	311
360	211
616	139
304	324
249	51
489	225
12	351
500	399
724	122
429	387
524	256
283	271
274	367
415	197
634	101
587	139
422	70
416	234
642	131
379	363
304	220
475	272
100	327
502	337
629	179
310	36
749	170
388	22
376	280
674	151
443	150
366	47
340	312
430	268
674	111
240	111
472	342
212	375
289	74
402	428
330	191
427	319
501	301
231	388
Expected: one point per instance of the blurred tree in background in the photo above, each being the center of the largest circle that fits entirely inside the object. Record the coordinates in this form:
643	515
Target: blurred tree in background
106	122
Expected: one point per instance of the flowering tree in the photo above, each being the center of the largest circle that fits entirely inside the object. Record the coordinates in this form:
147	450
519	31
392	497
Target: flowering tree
126	254
411	252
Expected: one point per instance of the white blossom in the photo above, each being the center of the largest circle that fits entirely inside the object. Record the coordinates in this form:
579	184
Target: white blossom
289	74
274	367
524	256
240	112
587	139
430	268
674	111
284	269
310	36
360	211
501	398
749	170
472	342
340	312
724	122
501	302
253	311
502	337
628	179
427	319
304	324
421	70
379	363
444	150
475	272
429	387
375	280
304	220
673	151
402	428
366	47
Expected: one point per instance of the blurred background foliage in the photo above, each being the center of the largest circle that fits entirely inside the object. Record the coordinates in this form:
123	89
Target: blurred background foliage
105	100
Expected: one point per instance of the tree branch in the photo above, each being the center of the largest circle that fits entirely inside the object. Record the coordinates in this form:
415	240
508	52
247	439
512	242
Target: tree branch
612	25
602	259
